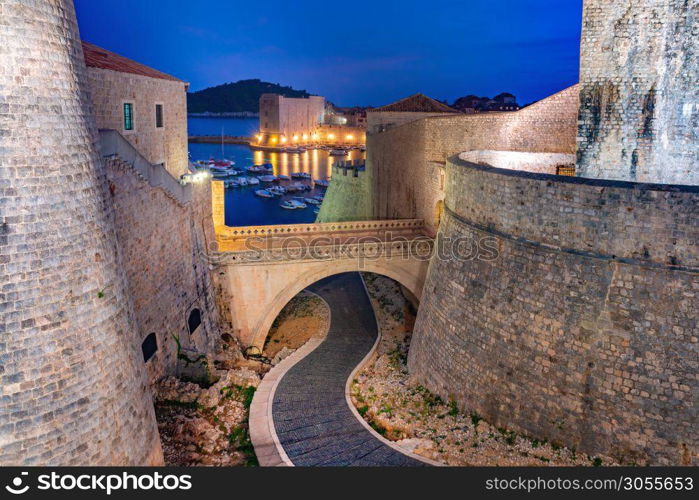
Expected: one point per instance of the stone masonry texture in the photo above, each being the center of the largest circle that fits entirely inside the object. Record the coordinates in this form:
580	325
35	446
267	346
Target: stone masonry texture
583	328
163	245
639	115
405	165
110	89
73	384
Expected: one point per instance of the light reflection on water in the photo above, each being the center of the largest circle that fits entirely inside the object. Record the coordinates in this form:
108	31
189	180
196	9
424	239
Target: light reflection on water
243	208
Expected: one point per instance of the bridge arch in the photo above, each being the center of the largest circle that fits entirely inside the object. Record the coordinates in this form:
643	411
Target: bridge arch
257	281
407	277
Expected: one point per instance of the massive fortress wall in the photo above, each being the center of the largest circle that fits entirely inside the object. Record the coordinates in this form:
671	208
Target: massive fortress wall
347	198
71	373
405	165
640	99
583	329
404	175
163	243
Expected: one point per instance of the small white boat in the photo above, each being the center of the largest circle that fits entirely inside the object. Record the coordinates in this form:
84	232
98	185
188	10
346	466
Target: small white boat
267	178
338	152
293	151
288	205
231	184
253	181
263	193
316	211
321	183
277	190
311	201
319	198
268	167
243	181
256	169
282	177
300	175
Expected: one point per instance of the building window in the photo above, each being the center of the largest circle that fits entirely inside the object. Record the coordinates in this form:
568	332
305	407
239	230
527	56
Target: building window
149	347
194	320
128	116
158	116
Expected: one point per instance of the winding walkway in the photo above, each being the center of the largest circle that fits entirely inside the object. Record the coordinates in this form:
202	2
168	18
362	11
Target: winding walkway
311	417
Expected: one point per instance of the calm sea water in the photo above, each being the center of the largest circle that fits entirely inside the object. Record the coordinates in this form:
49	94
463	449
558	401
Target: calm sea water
243	208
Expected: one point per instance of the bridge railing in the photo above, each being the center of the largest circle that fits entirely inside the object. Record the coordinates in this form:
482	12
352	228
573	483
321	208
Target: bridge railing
310	229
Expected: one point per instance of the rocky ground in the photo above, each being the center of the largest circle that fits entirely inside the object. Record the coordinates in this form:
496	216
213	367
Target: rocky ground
207	424
421	422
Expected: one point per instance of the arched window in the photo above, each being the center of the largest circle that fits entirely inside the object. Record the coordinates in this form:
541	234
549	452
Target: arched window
194	320
149	347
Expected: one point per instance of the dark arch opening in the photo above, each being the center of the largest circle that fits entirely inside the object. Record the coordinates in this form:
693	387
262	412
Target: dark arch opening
194	320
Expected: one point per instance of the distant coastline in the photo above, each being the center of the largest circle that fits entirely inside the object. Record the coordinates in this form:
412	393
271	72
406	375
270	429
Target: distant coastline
231	114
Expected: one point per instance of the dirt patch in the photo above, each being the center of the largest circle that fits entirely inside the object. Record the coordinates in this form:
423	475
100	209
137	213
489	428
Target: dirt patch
305	316
419	421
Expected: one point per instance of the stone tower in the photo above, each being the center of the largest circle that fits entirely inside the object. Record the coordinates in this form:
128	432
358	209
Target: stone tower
639	113
72	381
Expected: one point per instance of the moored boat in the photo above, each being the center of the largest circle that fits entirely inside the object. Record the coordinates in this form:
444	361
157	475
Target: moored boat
300	175
263	193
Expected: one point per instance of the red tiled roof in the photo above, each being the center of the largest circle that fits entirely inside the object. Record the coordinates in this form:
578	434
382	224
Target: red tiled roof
417	103
97	57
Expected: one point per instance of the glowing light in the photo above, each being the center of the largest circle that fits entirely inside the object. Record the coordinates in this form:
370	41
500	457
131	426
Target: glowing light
349	137
259	137
305	137
315	137
273	140
331	136
295	138
283	140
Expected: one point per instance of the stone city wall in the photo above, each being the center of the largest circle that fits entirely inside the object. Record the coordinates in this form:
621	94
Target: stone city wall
73	387
110	89
347	198
638	88
542	163
405	165
162	243
583	329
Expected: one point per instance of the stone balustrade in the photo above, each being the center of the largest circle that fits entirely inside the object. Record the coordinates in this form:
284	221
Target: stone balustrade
412	225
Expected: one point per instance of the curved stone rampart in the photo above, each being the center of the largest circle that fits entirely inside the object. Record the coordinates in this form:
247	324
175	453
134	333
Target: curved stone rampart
583	328
72	379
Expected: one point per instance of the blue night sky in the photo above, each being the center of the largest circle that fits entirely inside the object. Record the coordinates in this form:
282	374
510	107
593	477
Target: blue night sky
353	53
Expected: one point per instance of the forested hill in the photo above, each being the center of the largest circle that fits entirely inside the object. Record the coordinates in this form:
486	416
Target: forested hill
239	97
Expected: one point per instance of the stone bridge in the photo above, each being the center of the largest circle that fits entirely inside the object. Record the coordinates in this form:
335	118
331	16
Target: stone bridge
260	268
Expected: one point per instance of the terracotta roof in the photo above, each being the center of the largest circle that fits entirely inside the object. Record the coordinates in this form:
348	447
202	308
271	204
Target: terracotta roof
97	57
418	103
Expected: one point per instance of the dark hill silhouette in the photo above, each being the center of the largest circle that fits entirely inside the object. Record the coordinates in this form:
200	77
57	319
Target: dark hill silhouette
238	97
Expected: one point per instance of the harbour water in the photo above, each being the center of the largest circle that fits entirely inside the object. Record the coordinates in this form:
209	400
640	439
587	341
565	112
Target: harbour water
243	207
